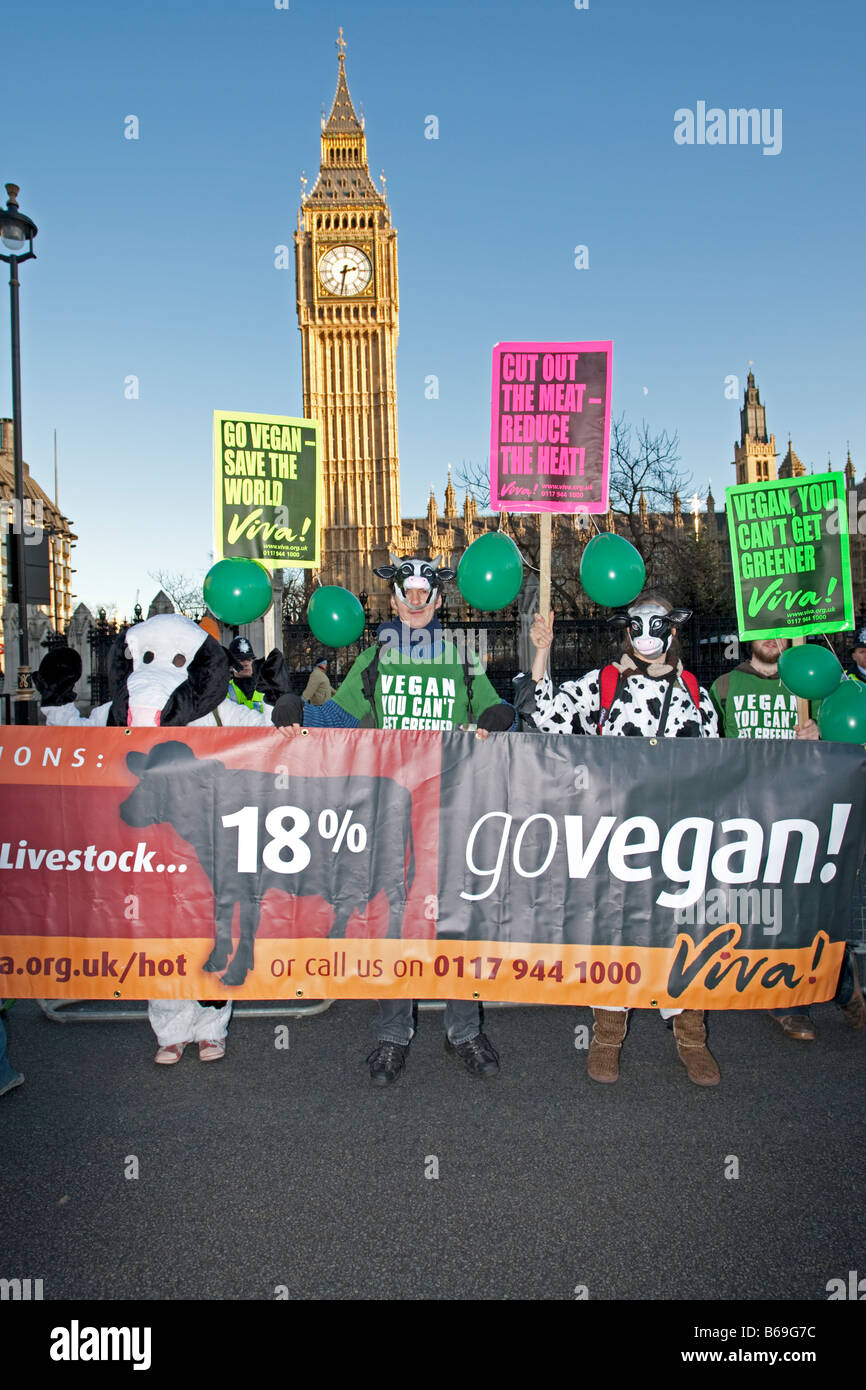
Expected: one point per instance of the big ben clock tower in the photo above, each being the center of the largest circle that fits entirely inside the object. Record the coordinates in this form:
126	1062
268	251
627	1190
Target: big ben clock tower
346	266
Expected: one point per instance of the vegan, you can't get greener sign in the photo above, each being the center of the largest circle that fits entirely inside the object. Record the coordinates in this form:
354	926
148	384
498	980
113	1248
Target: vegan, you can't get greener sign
790	556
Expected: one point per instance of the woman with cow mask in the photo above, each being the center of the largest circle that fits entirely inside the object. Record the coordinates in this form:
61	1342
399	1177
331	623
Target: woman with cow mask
167	671
645	694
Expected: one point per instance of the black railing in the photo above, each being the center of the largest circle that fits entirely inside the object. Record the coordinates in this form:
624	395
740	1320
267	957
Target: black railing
709	645
100	639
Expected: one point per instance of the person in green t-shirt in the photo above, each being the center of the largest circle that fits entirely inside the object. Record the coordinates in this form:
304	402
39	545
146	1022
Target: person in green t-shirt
752	702
415	677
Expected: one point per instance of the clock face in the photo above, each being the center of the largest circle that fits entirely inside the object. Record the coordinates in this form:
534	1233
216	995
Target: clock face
345	270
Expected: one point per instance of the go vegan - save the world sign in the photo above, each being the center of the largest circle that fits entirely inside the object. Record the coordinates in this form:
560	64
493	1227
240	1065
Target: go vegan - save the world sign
266	489
790	556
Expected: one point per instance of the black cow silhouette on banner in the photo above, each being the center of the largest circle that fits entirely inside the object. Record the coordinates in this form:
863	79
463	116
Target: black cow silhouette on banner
297	851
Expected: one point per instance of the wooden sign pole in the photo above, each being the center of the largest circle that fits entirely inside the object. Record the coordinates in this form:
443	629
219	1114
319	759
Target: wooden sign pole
544	530
803	715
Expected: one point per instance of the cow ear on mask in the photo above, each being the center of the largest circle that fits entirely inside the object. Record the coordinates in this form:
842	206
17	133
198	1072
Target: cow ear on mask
204	688
678	616
619	619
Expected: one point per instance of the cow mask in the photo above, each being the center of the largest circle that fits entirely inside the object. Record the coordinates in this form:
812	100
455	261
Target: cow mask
650	626
166	671
426	575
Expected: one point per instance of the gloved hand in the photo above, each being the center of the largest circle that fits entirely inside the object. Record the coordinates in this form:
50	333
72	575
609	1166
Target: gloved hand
59	673
288	709
497	718
272	676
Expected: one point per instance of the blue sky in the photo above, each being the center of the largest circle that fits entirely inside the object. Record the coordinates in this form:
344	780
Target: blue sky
156	256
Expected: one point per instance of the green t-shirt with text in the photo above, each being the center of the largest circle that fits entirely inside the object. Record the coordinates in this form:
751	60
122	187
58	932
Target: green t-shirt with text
417	693
753	706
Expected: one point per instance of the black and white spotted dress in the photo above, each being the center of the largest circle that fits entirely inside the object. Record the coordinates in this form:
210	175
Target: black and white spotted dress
573	707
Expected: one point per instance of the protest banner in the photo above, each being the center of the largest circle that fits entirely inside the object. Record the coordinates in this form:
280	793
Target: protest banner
550	428
266	489
790	556
194	863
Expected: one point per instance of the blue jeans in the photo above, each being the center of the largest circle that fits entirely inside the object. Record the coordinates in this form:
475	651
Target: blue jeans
7	1071
844	989
395	1020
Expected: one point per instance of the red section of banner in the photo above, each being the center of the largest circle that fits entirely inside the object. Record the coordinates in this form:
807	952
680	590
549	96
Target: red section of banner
70	867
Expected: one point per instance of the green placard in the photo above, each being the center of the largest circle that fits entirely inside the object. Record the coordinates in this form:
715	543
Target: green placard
790	556
266	489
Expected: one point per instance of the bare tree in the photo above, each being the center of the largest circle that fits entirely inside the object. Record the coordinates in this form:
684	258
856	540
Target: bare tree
698	579
475	478
185	591
294	595
644	481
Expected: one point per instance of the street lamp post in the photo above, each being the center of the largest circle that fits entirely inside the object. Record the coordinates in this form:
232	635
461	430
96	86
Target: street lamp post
16	233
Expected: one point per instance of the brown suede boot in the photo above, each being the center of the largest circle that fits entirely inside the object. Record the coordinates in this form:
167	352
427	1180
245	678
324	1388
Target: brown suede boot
691	1039
608	1031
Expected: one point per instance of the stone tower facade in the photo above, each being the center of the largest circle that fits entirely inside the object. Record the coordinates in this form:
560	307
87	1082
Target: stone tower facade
755	455
347	298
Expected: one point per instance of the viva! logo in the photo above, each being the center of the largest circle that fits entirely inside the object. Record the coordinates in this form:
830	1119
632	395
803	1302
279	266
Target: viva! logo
711	961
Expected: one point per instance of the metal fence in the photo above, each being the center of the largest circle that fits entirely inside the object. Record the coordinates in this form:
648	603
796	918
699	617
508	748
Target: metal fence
709	645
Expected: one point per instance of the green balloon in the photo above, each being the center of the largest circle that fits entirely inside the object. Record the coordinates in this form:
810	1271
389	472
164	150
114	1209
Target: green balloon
612	571
810	671
335	616
490	572
237	591
842	716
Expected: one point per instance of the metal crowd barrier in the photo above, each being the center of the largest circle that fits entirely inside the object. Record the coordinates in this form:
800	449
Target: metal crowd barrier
101	1011
104	1011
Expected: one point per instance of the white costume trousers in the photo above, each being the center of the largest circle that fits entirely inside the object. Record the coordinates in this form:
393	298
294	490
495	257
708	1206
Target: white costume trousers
185	1020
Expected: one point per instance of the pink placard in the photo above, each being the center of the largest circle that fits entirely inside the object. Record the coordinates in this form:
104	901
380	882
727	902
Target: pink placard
550	429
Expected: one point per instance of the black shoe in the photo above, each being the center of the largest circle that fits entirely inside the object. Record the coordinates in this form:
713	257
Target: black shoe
478	1055
386	1062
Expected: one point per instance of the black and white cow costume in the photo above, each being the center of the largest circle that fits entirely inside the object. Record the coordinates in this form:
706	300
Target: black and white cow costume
645	694
166	671
647	698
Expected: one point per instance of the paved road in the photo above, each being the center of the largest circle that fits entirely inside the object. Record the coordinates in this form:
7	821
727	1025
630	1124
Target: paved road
285	1168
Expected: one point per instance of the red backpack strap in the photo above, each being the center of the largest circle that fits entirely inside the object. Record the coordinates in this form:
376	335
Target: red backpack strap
608	678
690	681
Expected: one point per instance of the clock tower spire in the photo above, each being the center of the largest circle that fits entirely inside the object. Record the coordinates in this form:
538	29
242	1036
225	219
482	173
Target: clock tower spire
347	298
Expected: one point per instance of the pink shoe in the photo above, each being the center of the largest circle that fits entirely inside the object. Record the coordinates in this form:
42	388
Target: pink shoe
211	1050
167	1056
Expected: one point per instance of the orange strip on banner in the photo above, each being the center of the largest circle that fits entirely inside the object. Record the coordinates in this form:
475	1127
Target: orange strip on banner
719	976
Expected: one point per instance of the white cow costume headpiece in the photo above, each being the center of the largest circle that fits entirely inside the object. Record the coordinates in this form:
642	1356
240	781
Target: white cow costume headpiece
172	671
166	671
